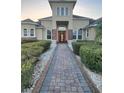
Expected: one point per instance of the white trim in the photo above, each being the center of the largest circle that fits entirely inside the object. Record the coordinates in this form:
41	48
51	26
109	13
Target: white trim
76	34
86	33
28	33
83	35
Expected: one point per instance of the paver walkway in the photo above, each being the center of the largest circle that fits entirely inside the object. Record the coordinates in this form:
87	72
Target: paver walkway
64	75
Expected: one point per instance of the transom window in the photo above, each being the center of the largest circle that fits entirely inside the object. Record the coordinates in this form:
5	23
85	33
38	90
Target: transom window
32	32
80	34
74	34
25	32
48	34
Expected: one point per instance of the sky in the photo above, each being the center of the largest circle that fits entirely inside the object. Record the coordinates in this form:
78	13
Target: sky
35	9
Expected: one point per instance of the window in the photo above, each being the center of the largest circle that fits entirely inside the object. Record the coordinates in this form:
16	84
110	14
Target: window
25	32
66	11
48	34
74	34
58	11
32	32
62	11
80	34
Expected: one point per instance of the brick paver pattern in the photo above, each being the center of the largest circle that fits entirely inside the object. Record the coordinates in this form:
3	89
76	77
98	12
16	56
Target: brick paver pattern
64	75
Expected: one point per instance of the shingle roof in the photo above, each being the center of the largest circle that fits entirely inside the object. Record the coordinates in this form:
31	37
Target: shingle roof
97	21
28	20
94	23
39	25
74	16
77	16
61	0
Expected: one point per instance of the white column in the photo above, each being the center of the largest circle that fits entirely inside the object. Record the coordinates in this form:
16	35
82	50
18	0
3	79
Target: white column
82	34
28	32
77	35
51	34
34	33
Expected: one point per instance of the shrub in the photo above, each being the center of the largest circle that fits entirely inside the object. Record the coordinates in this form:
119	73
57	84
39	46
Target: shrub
91	56
29	56
26	74
28	41
76	45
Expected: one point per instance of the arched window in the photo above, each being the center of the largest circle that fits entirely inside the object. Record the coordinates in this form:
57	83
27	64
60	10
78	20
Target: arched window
80	34
32	32
48	34
25	32
74	34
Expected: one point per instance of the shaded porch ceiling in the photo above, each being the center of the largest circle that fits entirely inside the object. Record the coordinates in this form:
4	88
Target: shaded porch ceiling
62	23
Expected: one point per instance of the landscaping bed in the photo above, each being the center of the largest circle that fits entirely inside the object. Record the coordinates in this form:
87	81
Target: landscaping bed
30	51
90	53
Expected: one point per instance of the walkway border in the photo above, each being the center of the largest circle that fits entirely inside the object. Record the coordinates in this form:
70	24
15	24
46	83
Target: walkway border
86	76
39	82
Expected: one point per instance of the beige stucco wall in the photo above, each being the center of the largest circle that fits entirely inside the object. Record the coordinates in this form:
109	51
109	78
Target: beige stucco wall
48	26
62	18
92	33
39	33
80	23
47	23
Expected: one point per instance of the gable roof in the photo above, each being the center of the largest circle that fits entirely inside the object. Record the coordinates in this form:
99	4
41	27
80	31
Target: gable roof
80	17
28	20
74	17
94	23
46	18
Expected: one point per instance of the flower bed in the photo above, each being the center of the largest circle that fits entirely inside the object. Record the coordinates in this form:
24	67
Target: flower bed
29	56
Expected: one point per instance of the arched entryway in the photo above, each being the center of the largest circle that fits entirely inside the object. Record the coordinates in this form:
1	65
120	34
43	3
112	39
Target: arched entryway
62	31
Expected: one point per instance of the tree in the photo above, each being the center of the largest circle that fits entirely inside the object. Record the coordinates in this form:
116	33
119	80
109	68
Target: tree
99	31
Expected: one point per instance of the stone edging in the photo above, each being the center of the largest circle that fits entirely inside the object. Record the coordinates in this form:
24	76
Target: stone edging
86	76
43	75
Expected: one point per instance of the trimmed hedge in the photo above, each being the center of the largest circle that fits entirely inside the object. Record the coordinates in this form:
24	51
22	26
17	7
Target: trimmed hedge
91	56
28	41
76	45
90	53
29	56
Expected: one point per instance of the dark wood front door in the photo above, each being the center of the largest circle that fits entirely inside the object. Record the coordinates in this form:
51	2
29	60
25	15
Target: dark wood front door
62	37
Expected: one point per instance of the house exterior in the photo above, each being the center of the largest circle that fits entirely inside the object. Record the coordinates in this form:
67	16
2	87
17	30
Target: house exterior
62	26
